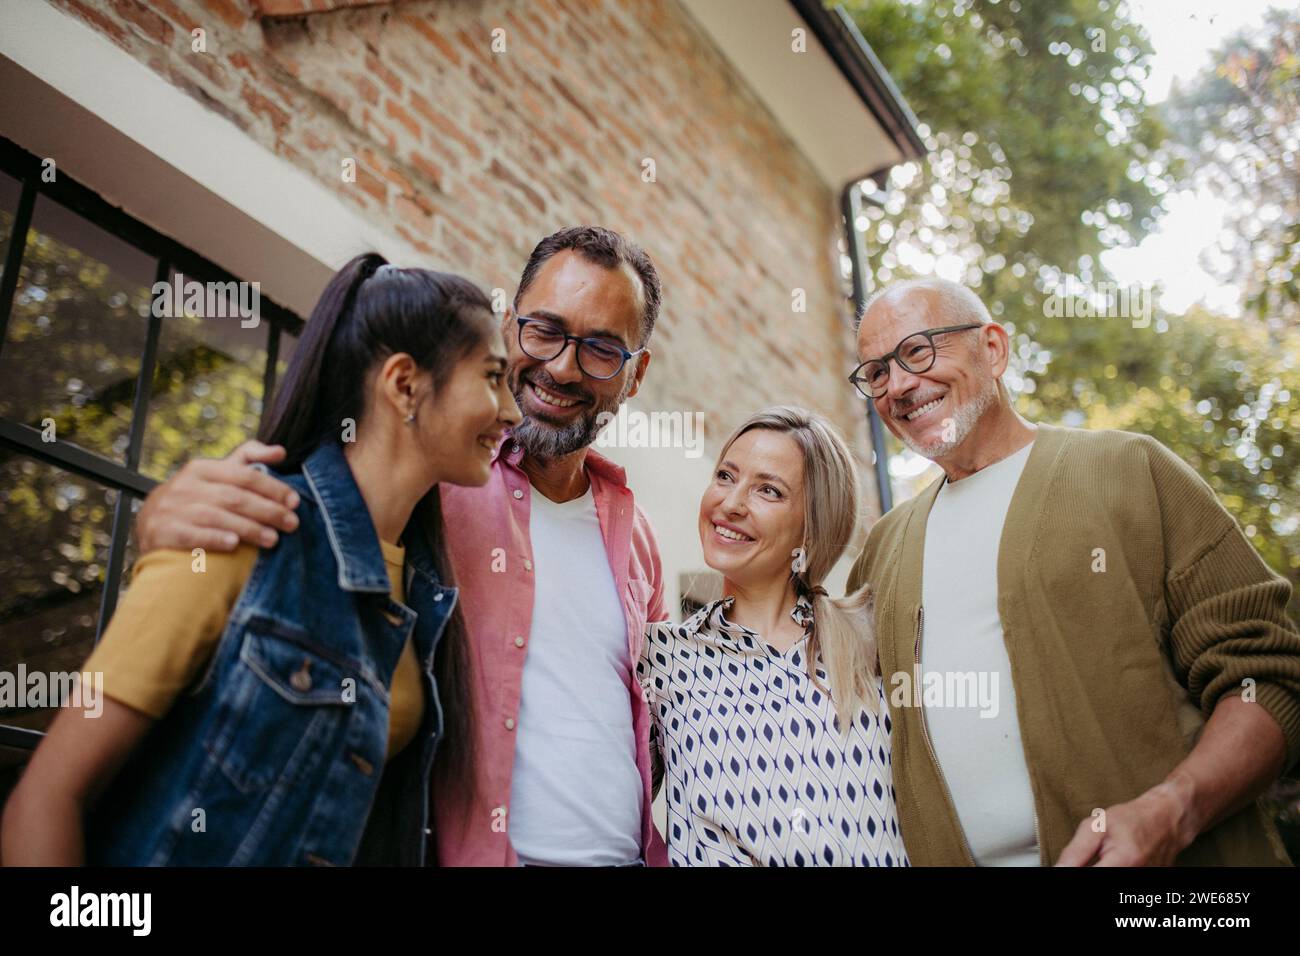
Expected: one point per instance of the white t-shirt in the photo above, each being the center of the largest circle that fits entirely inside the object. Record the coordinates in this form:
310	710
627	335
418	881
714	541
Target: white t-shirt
576	792
978	745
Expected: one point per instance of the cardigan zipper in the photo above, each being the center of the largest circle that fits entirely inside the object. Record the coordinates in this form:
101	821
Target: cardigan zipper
925	735
1033	793
1037	839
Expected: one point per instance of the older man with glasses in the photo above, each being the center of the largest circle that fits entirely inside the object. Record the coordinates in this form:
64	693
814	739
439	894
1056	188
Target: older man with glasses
1148	674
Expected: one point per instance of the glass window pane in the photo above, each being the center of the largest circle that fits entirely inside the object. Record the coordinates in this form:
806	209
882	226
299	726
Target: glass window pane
76	336
54	535
207	388
288	345
10	191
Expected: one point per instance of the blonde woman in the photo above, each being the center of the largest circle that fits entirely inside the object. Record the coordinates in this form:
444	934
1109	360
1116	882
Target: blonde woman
767	711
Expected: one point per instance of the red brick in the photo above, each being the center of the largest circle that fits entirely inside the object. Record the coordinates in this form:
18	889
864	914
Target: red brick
406	71
506	176
261	106
232	12
413	212
398	179
374	128
419	242
281	8
572	99
104	23
443	125
176	15
369	92
428	168
479	43
496	150
210	67
370	184
520	38
148	22
422	26
283	149
482	80
628	138
386	76
293	8
447	152
395	111
462	229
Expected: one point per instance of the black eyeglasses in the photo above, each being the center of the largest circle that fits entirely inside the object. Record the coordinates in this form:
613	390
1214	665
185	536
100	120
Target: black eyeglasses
914	354
598	358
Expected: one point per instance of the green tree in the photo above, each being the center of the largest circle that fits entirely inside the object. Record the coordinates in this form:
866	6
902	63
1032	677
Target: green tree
69	368
1220	392
1238	125
1043	154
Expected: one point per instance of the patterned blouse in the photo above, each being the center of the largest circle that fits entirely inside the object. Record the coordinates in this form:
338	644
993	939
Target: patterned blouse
755	768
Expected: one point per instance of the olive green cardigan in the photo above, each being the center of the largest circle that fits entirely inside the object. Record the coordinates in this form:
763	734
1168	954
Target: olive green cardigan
1115	671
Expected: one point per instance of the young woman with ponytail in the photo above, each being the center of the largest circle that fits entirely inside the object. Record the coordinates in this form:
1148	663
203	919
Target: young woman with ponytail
768	714
283	705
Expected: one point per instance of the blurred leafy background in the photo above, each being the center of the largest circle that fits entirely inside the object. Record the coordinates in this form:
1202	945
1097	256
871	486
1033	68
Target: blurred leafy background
1044	153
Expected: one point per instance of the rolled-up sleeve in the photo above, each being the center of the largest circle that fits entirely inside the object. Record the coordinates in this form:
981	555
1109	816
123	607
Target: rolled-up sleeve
1229	631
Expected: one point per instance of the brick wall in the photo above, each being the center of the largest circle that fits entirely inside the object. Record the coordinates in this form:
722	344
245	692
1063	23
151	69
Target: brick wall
473	155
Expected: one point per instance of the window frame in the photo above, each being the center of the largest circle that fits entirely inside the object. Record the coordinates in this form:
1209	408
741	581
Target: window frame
126	479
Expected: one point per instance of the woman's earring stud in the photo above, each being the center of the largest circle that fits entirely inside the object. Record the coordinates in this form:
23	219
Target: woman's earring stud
409	418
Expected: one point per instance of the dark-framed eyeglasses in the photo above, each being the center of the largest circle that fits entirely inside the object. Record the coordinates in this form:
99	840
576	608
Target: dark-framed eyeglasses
914	354
598	358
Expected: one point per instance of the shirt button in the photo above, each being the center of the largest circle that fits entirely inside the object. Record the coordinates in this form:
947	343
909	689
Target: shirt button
519	642
528	565
518	494
437	597
510	723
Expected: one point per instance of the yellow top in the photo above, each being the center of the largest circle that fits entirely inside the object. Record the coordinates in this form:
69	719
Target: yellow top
169	621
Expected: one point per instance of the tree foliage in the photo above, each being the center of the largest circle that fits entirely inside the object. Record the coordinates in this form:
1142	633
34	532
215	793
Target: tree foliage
69	369
1043	154
1238	125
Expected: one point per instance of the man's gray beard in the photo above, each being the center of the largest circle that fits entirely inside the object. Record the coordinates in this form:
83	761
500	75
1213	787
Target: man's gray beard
963	421
546	442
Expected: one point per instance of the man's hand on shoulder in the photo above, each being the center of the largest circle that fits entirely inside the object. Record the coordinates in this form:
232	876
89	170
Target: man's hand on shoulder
215	504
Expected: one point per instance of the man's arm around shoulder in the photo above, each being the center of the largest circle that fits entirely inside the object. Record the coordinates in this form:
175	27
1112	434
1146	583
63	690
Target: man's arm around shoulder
215	504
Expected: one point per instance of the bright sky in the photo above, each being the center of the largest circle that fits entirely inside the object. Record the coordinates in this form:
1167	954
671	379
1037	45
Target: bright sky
1183	33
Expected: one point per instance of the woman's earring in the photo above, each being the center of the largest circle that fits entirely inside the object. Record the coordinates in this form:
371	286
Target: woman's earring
409	418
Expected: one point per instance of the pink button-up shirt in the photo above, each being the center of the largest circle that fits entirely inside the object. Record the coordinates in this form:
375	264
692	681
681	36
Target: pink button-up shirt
492	557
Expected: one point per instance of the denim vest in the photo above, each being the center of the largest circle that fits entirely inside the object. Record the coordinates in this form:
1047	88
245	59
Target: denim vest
277	756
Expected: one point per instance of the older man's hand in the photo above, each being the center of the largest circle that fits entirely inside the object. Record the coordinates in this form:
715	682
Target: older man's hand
1148	831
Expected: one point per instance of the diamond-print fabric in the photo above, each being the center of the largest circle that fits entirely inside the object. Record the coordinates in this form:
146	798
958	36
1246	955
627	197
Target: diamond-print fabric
755	770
